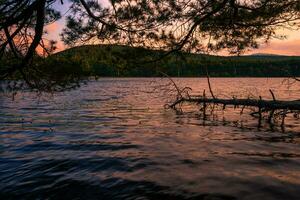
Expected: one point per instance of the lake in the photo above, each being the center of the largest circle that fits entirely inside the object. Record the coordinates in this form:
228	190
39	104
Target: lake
113	139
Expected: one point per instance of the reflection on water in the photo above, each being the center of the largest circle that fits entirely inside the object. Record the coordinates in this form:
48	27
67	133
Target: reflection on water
112	139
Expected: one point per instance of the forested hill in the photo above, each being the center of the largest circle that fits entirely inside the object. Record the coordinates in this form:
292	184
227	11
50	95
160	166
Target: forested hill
115	61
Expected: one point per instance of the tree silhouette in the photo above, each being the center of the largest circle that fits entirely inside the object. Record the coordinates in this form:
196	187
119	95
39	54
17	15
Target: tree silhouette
183	25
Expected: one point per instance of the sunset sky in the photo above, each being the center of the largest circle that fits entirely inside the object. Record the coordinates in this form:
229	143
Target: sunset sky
289	46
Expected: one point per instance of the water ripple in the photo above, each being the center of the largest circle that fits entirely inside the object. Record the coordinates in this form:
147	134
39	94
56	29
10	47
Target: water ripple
112	139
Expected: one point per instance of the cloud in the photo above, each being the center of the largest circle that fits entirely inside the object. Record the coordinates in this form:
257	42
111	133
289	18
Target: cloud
53	30
52	27
290	46
60	46
284	47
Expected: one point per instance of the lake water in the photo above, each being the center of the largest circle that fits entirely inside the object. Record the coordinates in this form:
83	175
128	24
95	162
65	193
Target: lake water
113	139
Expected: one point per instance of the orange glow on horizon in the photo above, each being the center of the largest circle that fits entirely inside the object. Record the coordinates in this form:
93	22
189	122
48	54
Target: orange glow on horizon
289	46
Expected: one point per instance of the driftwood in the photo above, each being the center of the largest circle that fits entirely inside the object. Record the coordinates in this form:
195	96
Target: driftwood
274	108
259	103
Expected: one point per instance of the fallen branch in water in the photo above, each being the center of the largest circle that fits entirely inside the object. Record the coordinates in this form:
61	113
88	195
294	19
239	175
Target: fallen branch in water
271	108
259	103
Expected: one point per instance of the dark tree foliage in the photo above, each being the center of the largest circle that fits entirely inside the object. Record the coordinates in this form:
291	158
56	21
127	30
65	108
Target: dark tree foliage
183	25
197	25
24	45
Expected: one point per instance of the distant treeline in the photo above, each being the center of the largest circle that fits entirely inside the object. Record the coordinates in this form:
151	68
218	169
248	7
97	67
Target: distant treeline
107	60
123	61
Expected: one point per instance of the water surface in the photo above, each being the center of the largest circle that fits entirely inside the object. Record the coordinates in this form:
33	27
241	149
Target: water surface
112	139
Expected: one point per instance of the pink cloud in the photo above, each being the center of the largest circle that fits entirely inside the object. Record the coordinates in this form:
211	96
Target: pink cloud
284	47
52	27
53	31
290	46
60	46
